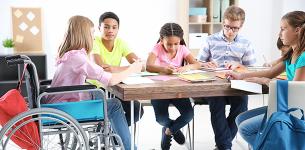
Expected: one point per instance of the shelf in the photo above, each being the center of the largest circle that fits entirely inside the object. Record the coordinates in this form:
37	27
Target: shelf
205	23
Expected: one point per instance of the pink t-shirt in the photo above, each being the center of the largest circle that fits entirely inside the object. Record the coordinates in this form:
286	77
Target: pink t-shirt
73	68
163	60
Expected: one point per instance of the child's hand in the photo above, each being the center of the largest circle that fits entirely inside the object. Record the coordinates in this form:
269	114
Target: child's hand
168	70
235	66
136	66
234	75
211	64
182	69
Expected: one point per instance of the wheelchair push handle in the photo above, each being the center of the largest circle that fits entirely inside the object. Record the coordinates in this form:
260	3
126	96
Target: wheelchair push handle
7	58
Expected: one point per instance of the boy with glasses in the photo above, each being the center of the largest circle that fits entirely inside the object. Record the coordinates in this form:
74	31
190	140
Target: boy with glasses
225	48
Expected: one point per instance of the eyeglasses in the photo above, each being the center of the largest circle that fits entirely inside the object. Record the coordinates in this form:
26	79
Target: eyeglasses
228	28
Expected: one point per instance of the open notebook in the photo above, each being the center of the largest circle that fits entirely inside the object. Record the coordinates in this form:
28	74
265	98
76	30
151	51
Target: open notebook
197	77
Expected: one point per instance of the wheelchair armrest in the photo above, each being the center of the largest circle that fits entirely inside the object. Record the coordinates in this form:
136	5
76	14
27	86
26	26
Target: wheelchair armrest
69	88
45	82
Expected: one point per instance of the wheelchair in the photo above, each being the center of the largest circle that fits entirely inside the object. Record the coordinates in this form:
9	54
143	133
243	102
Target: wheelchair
68	125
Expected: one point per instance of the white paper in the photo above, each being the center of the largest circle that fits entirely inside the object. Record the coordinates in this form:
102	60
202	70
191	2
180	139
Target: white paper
246	86
137	80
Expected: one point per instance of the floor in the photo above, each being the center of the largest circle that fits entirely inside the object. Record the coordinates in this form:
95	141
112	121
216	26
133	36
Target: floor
149	131
149	134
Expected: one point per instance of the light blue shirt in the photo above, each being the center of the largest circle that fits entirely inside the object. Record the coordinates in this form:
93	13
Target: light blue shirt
291	68
217	48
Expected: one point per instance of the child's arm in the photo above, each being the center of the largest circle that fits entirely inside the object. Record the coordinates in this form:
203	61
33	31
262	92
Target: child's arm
270	73
118	77
93	71
132	57
99	60
192	64
151	67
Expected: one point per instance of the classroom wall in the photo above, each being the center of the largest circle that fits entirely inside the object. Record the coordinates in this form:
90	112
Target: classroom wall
263	24
141	21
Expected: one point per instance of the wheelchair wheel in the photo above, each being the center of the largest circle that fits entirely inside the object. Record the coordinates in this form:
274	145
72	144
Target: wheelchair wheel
55	130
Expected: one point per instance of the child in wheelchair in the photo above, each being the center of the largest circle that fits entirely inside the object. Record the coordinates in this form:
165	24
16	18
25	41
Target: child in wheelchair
74	67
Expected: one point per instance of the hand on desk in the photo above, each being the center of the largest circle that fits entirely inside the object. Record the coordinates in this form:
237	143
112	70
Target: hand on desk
210	64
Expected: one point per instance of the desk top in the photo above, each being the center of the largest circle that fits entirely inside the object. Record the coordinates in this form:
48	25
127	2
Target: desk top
176	89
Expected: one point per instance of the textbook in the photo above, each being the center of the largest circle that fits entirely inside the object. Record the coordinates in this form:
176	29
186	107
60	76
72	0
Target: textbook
190	72
195	77
246	86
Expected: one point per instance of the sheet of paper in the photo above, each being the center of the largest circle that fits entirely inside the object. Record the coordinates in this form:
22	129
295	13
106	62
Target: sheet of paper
162	78
137	80
246	86
143	74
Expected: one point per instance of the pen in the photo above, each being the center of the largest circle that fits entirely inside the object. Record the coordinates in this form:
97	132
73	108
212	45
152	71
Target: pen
264	58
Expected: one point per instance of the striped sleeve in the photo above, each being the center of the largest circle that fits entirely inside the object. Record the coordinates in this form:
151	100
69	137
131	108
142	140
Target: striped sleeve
249	56
204	53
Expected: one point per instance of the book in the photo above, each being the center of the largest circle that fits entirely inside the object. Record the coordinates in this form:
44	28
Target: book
190	72
195	77
246	86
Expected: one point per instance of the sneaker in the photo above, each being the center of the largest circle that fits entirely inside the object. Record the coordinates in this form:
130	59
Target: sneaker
165	140
179	137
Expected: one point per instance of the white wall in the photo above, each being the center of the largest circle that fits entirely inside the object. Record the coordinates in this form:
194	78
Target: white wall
263	24
141	21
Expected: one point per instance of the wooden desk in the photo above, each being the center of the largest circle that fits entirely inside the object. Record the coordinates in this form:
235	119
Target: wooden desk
173	89
176	89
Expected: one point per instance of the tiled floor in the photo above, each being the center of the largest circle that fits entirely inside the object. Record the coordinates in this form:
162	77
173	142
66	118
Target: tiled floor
149	134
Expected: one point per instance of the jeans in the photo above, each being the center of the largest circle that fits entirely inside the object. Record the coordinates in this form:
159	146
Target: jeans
249	124
126	107
224	127
127	110
162	116
117	119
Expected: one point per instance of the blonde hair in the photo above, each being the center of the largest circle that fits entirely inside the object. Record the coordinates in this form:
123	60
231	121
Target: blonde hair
78	35
234	13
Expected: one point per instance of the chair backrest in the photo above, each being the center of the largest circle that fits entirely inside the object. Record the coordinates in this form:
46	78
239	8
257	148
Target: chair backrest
296	96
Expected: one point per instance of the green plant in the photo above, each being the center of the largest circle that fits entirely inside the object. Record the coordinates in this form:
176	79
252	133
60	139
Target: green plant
8	43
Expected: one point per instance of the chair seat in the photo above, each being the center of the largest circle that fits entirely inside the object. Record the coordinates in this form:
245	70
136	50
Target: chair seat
88	110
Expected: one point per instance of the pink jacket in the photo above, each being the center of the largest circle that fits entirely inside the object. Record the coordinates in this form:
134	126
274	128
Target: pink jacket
73	68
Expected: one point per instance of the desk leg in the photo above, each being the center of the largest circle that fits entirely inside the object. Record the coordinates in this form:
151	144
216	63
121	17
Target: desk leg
132	124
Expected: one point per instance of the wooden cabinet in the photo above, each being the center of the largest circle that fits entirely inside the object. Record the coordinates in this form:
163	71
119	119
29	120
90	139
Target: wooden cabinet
214	13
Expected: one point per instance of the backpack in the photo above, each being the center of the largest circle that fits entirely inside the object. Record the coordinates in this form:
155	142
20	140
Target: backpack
282	131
